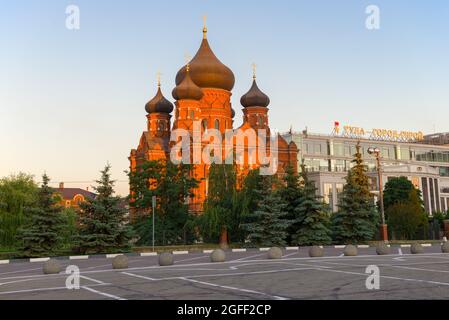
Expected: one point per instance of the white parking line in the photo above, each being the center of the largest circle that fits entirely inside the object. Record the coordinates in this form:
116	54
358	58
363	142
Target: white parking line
40	289
20	271
103	293
388	277
138	276
291	254
234	288
249	257
191	259
420	269
91	279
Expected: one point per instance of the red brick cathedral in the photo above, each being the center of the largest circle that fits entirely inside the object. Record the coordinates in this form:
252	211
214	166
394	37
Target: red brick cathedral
203	95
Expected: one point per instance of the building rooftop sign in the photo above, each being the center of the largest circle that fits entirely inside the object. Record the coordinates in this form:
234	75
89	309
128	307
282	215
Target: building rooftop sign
376	134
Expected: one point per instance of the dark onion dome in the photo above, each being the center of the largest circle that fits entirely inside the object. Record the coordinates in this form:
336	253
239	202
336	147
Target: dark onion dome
187	89
255	97
159	104
207	71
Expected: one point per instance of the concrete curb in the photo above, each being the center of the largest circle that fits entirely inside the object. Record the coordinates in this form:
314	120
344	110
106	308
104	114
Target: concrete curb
186	252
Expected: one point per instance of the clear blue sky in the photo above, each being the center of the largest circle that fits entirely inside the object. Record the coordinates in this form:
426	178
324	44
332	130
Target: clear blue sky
72	100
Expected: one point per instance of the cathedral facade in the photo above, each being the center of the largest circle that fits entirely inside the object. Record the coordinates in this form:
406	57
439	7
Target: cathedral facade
203	102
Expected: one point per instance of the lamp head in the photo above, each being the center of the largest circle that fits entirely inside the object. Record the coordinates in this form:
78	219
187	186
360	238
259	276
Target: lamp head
373	150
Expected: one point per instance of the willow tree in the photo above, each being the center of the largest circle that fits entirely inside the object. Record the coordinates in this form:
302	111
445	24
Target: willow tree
218	219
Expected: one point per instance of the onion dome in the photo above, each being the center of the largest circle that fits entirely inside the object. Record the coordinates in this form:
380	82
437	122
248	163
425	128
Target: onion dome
206	70
187	89
255	97
159	104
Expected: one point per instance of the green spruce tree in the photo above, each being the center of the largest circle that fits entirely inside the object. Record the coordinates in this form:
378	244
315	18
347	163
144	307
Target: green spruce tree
311	217
291	192
266	225
41	236
357	218
103	223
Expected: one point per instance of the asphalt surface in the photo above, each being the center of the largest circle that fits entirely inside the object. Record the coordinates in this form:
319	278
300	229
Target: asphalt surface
244	276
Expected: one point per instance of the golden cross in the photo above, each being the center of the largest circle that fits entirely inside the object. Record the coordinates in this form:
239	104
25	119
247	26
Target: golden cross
254	70
205	26
158	75
188	58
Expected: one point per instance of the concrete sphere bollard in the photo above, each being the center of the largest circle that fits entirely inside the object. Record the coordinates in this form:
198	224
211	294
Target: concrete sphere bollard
120	262
316	251
350	250
382	249
218	256
445	247
416	248
166	259
275	253
52	267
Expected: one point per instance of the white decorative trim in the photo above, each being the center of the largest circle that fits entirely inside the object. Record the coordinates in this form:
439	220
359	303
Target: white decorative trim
78	257
180	252
39	259
148	254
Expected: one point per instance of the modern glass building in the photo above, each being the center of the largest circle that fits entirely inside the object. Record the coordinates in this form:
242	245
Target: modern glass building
424	161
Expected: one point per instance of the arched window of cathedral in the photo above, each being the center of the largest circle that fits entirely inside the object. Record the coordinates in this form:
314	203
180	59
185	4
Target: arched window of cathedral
261	121
217	124
205	125
192	114
161	125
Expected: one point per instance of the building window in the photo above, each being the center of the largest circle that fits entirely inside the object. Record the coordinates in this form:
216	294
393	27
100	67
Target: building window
338	193
205	125
339	150
327	194
425	192
192	114
217	124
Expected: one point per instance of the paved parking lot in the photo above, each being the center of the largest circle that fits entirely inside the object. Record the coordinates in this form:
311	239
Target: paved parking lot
245	275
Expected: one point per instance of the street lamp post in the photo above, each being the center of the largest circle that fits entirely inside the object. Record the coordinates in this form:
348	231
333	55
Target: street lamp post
383	228
154	207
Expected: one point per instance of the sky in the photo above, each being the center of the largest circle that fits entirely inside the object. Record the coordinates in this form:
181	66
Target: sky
73	100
